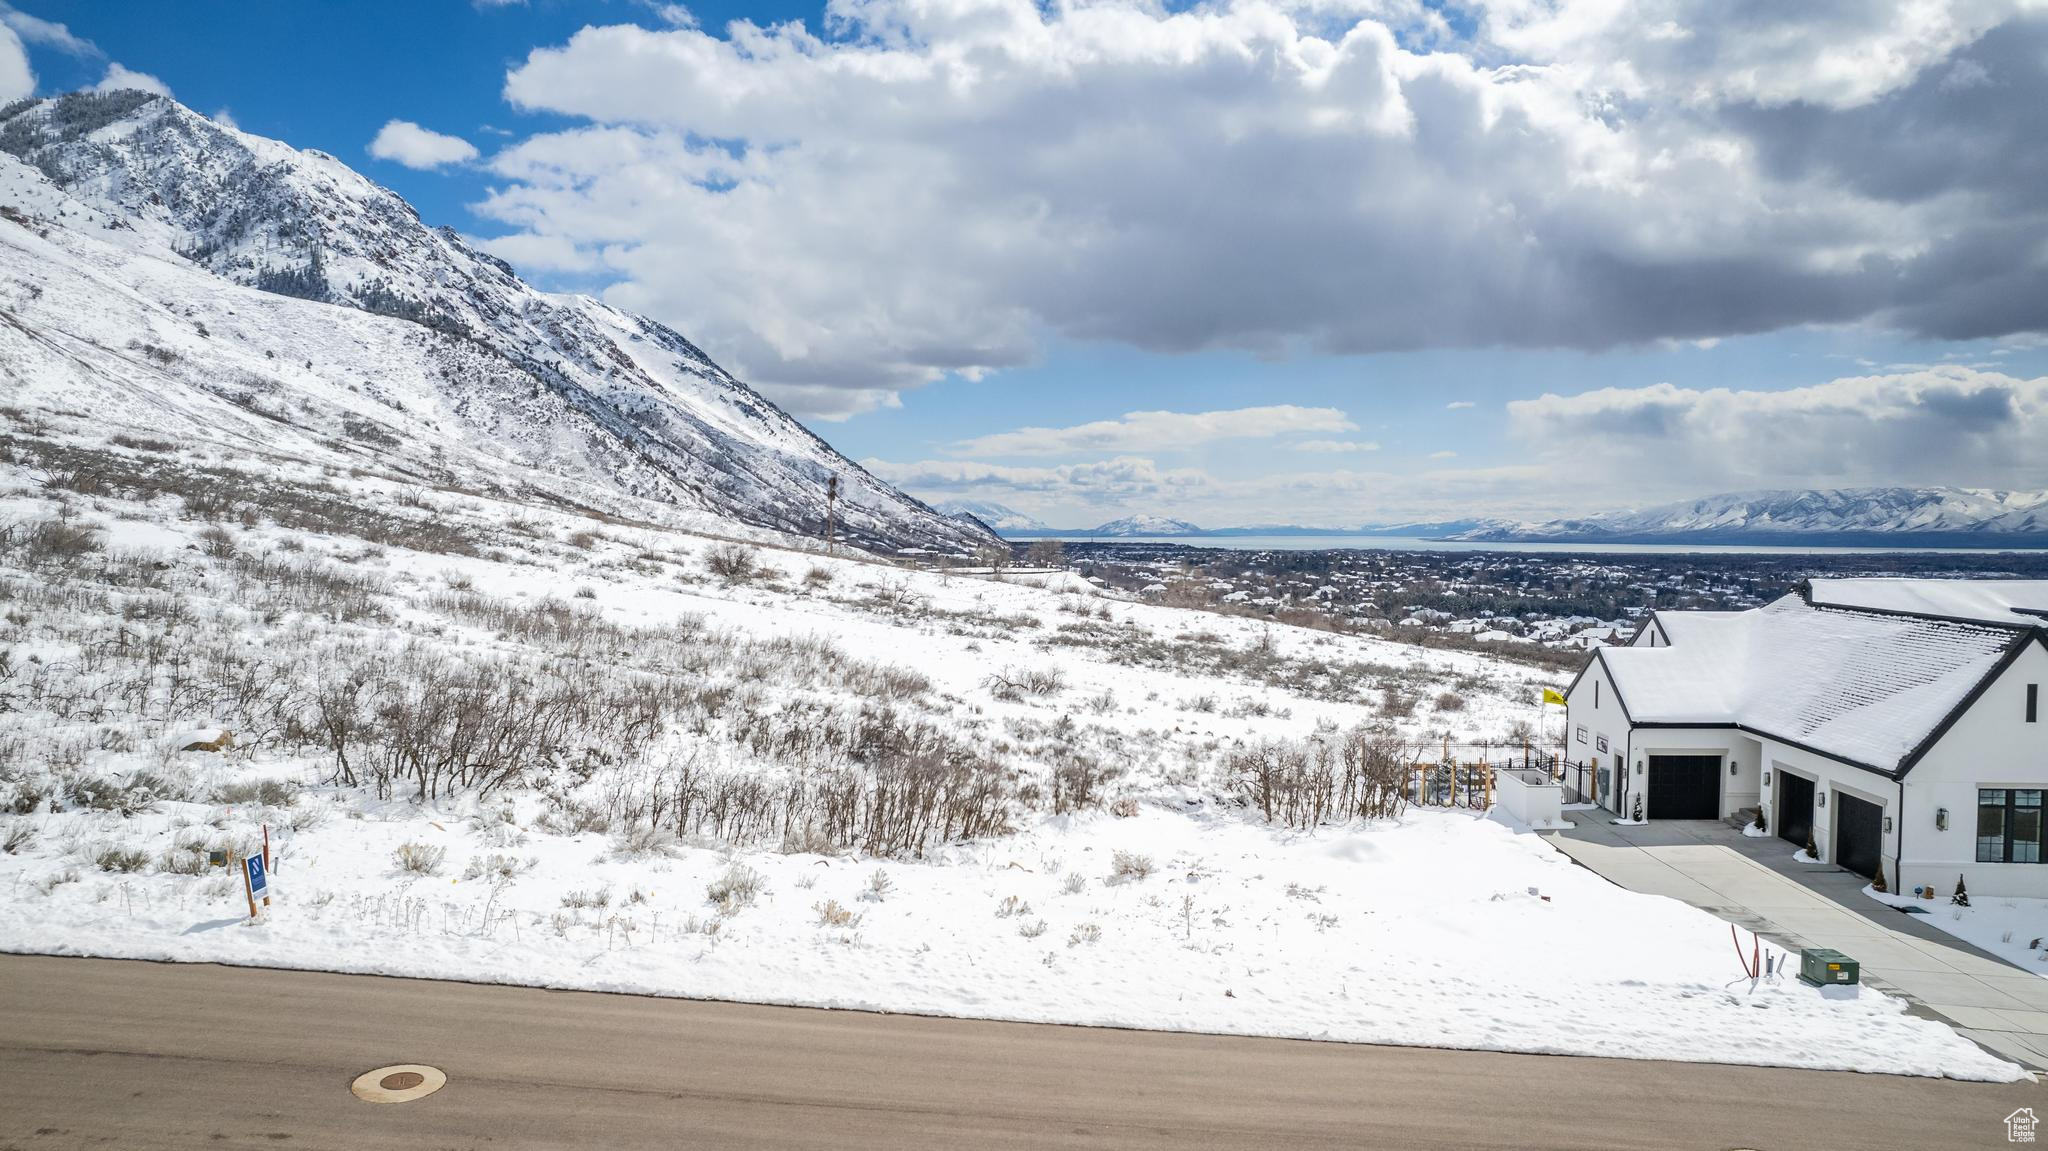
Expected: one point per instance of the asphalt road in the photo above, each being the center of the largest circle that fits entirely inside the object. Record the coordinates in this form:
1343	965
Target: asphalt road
104	1053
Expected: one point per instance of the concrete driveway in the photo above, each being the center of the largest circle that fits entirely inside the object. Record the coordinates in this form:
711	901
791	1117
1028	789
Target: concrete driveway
1755	884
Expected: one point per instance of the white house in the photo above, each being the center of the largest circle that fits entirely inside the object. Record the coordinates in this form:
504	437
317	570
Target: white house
1898	722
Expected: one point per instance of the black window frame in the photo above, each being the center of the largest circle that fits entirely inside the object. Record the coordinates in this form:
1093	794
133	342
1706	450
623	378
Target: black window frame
2033	703
2008	807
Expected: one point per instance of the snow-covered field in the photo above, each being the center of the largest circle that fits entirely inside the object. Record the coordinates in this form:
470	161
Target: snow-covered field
664	763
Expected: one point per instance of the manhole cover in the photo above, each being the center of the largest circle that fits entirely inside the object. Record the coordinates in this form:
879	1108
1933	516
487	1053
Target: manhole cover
402	1083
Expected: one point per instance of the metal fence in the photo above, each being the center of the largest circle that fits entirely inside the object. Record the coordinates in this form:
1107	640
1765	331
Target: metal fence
1461	774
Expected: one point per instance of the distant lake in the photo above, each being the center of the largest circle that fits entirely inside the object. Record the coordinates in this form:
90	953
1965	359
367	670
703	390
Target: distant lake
1419	544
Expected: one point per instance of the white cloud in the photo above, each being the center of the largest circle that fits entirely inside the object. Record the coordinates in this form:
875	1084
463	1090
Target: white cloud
226	119
1158	431
933	187
1443	455
16	78
405	142
47	33
1933	425
119	77
1116	482
1332	446
1459	405
1079	495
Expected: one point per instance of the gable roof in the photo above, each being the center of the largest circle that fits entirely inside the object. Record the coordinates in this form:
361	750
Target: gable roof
2009	603
1867	688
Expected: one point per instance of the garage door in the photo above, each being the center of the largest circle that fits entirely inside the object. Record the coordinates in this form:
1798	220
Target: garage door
1685	787
1795	807
1859	831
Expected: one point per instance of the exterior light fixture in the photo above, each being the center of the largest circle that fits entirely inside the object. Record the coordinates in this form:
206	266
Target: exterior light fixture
1820	799
1941	819
1887	825
1732	769
1767	778
1639	767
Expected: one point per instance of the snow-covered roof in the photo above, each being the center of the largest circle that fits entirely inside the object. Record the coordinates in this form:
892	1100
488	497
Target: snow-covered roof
2009	602
1863	687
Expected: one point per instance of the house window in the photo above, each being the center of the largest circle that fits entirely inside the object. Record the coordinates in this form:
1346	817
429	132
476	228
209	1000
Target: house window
1600	742
2033	703
1596	695
2008	825
1581	735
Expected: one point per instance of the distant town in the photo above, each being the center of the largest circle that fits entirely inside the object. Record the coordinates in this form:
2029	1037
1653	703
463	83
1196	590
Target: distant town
1536	607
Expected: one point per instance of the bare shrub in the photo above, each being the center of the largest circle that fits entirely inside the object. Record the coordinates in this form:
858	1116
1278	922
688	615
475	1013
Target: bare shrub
1031	930
123	859
733	563
831	914
1360	775
20	837
1014	683
1012	906
1129	866
264	792
53	541
818	577
1450	701
878	887
644	840
217	542
737	888
1075	884
1088	933
419	858
495	867
138	793
593	899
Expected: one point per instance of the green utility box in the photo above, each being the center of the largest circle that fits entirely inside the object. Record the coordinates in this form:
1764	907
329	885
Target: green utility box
1822	968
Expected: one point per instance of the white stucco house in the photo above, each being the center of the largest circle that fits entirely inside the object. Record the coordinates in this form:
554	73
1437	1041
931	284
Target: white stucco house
1898	722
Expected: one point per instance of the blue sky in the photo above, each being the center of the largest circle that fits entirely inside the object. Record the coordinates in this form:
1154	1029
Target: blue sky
1354	265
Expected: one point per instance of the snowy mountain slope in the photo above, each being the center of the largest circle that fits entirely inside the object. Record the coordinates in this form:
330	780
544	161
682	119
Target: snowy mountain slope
990	514
136	223
1963	516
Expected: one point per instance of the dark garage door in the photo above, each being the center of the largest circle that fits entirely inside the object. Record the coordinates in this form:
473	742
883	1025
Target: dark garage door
1795	807
1685	787
1859	831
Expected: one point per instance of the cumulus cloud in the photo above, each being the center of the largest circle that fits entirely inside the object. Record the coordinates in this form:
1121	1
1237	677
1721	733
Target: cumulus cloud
120	77
1158	431
925	187
1933	425
46	33
1116	482
1459	405
1076	495
405	142
17	79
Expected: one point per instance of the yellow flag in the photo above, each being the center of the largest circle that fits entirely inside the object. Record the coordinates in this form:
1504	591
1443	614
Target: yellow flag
1551	695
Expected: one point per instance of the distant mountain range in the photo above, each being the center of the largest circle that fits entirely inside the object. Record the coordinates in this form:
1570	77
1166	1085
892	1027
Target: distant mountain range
1843	517
991	515
1836	517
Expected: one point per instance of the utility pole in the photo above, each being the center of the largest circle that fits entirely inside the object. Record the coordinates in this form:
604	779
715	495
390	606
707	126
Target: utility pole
831	505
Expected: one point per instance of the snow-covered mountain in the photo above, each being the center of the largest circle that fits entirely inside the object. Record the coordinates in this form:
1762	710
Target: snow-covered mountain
1957	516
169	273
990	514
1147	526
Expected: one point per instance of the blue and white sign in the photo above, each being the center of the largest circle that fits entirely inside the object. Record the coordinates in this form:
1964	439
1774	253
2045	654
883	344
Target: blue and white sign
259	883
